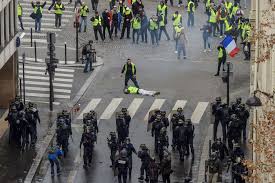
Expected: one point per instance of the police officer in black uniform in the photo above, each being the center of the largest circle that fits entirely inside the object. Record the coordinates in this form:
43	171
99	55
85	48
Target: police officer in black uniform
190	129
234	131
122	165
32	116
62	135
88	138
243	115
127	118
122	128
145	158
130	150
163	142
155	132
174	123
239	170
180	114
217	111
181	139
220	148
113	145
164	119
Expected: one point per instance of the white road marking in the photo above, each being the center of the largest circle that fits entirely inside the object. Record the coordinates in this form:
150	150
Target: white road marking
156	105
44	29
27	24
56	90
42	102
198	112
22	35
134	106
39	73
90	106
25	19
47	84
38	67
107	114
43	60
64	11
28	40
46	78
42	95
179	103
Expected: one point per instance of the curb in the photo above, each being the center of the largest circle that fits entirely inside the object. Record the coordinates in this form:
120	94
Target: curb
4	125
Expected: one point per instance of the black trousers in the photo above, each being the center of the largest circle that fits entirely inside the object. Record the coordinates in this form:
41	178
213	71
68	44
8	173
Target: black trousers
108	29
163	28
221	61
98	29
166	178
94	4
128	77
126	25
123	176
216	124
114	26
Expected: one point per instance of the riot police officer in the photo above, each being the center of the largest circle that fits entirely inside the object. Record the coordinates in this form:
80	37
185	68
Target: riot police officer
163	142
166	168
21	129
145	158
217	111
32	116
181	140
174	123
127	119
164	118
122	165
239	170
156	127
153	171
190	136
130	150
62	135
12	119
154	116
88	138
234	131
220	148
18	103
213	167
113	145
235	105
180	114
243	115
122	129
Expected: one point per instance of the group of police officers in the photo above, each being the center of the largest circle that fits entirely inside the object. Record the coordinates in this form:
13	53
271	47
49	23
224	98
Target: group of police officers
22	121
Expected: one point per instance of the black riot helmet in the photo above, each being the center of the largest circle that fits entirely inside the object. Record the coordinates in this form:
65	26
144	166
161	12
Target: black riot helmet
13	108
123	153
163	113
124	110
143	147
179	110
239	100
218	99
213	156
30	104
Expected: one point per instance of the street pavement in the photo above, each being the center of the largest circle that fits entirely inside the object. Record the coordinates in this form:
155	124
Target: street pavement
187	83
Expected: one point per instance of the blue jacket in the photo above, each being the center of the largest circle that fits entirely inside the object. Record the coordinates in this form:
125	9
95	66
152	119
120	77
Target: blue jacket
55	155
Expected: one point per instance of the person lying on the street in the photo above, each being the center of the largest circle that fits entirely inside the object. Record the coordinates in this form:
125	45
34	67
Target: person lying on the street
135	90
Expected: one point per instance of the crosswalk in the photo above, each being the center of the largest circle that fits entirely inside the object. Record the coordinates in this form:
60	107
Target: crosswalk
37	83
115	104
47	24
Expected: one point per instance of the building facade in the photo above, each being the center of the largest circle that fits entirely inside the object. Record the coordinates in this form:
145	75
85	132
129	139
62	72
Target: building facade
8	52
262	79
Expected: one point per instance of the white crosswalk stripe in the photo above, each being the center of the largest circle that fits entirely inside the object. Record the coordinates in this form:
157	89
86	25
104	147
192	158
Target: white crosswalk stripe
107	114
43	60
179	103
156	105
197	114
37	83
139	103
47	21
91	106
134	106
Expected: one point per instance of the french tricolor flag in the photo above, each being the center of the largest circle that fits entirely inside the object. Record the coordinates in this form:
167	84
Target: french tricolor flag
230	46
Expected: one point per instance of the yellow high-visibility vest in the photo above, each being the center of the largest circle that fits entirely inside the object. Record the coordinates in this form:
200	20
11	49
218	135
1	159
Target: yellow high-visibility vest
133	68
161	9
220	55
136	23
213	16
19	10
177	19
228	27
188	7
96	22
83	11
58	8
153	25
35	9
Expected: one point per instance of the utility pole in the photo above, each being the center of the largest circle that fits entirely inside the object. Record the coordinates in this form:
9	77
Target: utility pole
51	63
24	85
227	83
76	25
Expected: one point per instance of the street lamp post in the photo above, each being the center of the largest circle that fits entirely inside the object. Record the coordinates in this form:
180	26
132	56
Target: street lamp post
76	25
227	84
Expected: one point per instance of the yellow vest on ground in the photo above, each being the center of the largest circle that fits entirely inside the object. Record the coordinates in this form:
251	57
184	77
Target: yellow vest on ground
153	25
83	11
19	10
133	90
97	21
58	9
213	16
